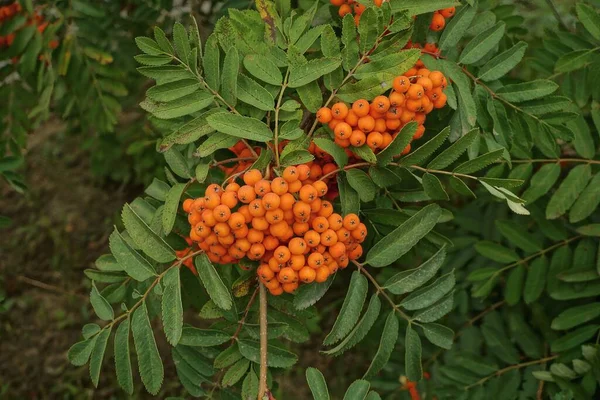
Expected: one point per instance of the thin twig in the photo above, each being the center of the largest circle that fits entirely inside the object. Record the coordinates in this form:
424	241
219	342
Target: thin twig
510	368
557	15
46	286
243	320
262	388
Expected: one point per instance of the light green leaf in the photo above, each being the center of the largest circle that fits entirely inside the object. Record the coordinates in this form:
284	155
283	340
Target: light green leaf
367	30
518	236
251	92
203	337
527	90
145	238
388	66
400	142
250	386
317	384
575	316
307	295
173	90
179	107
235	373
351	309
181	42
587	202
348	196
456	28
211	62
386	345
478	163
436	311
263	68
357	390
80	352
574	338
122	357
541	182
536	280
215	142
402	239
277	357
339	155
433	187
212	282
148	45
574	60
149	361
240	126
303	74
229	77
172	307
496	252
589	18
590	230
422	154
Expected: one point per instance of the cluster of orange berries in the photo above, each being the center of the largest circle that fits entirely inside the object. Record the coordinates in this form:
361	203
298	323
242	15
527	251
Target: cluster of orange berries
415	94
283	223
438	21
9	11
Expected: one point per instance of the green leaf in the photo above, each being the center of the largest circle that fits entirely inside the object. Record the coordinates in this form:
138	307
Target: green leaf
409	280
504	62
541	182
428	295
351	309
362	183
277	357
179	107
365	153
296	157
98	354
203	337
589	18
173	90
263	68
589	230
514	285
149	361
178	164
402	239
80	352
339	155
307	295
574	60
101	306
439	335
235	373
453	152
122	357
163	42
215	142
398	144
171	206
481	44
229	77
436	311
148	45
212	282
456	28
361	329
367	30
412	357
250	386
348	196
546	105
130	260
145	59
172	307
527	90
317	384
478	163
433	187
211	62
357	390
518	236
574	338
576	316
303	74
227	357
251	92
181	42
386	345
568	191
416	7
496	252
388	66
587	202
366	88
145	238
423	153
240	126
536	280
188	132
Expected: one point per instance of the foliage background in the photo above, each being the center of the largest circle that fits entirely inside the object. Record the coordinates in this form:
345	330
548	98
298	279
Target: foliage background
75	192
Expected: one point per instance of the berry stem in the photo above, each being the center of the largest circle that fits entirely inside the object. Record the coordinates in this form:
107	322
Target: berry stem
243	320
262	388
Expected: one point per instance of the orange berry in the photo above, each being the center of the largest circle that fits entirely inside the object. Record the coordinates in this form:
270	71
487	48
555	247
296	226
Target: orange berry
448	12
274	216
287	275
351	119
295	186
312	238
392	124
344	143
246	194
271	201
256	208
344	9
343	130
222	213
397	99
315	171
437	22
358	138
374	140
276	291
415	91
303	171
335	221
326	209
307	274
262	187
321	188
232	187
337	250
379	125
308	193
366	123
187	205
255	236
406	150
282	254
290	287
351	221
387	139
401	84
337	3
359	8
322	274
413	105
440	102
229	199
290	174
356	253
329	237
339	110
436	78
381	104
252	177
279	186
324	115
361	107
320	224
286	201
265	273
297	245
